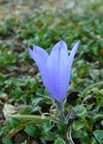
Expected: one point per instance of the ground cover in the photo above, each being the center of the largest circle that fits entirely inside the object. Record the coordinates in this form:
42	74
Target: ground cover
21	87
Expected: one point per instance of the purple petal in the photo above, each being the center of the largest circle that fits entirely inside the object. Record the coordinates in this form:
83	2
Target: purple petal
40	56
57	68
72	53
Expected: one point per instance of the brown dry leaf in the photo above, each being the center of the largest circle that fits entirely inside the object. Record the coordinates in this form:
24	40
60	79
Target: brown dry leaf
3	97
8	110
96	72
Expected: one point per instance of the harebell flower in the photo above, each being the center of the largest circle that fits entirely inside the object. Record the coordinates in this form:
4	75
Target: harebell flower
55	70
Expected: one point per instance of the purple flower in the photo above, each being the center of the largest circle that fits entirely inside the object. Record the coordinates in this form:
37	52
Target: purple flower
55	68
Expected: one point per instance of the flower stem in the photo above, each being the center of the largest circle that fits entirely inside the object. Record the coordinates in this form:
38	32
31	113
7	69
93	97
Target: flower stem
68	139
61	110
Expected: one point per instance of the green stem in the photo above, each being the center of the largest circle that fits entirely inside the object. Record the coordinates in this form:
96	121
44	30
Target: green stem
61	110
68	139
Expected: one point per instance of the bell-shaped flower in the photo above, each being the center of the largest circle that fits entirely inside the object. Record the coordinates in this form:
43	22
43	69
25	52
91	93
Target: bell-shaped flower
55	68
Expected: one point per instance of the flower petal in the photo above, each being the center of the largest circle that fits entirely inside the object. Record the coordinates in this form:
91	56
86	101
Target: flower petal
71	57
40	56
72	54
57	68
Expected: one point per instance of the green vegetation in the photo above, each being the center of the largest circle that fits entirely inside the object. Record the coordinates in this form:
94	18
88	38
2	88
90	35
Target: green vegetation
21	88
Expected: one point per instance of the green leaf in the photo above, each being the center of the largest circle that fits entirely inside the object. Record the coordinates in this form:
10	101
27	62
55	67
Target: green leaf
82	135
101	141
93	140
46	126
30	130
99	136
5	140
80	111
59	141
45	130
25	142
37	100
77	125
34	118
97	116
102	122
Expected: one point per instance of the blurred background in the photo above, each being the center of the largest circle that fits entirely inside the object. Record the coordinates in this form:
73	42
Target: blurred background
21	7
